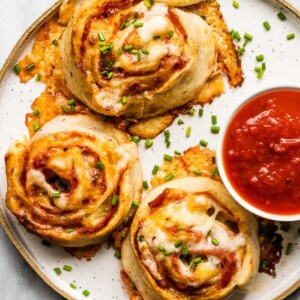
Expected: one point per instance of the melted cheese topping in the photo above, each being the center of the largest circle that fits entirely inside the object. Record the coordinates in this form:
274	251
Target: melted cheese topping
202	234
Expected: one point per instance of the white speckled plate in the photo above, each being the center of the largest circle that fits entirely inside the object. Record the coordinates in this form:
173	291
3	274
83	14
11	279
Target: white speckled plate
101	275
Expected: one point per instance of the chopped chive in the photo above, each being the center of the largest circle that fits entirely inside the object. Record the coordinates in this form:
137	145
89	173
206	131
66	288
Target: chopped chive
135	203
36	112
117	254
214	171
180	122
169	177
124	100
208	233
64	108
171	33
285	226
73	286
136	15
55	42
214	119
70	230
197	260
215	129
139	56
107	209
46	243
110	64
161	248
215	242
260	74
178	244
281	16
197	172
141	238
17	69
213	160
145	51
203	143
100	165
101	37
67	268
30	67
180	227
120	51
104	48
241	50
151	2
201	112
71	102
248	36
85	293
290	36
138	25
147	4
274	239
155	170
177	152
168	253
55	195
257	69
36	126
237	35
57	271
155	37
260	57
188	131
115	200
235	4
135	139
134	51
110	74
145	185
267	25
289	248
168	157
104	73
184	250
263	66
263	264
245	44
128	47
191	112
148	143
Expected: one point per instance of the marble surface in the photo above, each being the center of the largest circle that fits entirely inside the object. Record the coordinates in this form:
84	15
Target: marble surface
17	280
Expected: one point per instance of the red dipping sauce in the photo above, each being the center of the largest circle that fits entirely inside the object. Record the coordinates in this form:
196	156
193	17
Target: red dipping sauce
261	152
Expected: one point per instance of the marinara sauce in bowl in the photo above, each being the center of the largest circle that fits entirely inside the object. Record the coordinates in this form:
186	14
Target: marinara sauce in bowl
259	154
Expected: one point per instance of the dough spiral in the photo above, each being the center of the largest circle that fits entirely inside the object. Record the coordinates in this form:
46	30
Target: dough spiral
137	59
72	183
190	240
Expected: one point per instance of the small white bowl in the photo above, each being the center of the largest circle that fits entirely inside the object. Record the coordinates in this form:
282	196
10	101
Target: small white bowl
228	185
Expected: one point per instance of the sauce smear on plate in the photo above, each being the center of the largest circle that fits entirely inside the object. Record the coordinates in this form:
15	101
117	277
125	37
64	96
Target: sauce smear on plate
261	151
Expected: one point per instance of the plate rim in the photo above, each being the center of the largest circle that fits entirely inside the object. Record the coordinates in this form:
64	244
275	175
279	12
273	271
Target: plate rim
5	68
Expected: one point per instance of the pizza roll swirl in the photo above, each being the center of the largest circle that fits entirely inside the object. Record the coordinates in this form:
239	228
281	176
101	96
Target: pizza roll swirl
190	240
74	181
136	59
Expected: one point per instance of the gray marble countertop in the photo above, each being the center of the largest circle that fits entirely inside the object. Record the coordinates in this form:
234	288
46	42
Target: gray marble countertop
17	280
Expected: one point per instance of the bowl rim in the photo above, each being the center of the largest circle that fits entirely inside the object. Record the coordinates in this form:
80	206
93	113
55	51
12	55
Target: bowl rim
247	98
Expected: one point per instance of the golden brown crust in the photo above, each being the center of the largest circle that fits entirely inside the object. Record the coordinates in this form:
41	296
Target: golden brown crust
58	190
227	55
164	276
